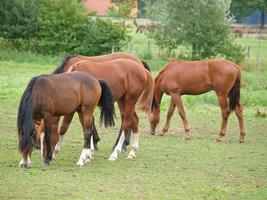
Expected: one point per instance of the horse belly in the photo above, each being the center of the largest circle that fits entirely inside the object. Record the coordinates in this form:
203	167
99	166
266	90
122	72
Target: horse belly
195	89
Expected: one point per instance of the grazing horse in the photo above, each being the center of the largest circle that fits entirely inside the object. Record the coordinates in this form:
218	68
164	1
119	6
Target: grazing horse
131	84
179	78
66	66
61	94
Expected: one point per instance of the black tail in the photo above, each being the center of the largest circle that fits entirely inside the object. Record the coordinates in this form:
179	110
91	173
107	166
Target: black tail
25	126
234	94
155	104
146	65
107	105
60	68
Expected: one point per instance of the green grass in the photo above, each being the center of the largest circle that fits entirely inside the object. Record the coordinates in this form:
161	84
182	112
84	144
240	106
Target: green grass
166	167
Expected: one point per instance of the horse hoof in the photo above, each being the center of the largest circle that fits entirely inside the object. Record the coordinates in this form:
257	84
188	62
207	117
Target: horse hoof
187	137
112	158
162	134
80	163
45	164
241	140
164	130
219	139
131	156
152	132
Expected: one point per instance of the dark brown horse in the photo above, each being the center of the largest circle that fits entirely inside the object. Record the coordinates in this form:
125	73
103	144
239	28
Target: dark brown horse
47	96
130	84
179	78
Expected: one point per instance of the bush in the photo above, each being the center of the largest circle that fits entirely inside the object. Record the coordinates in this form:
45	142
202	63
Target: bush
101	36
57	26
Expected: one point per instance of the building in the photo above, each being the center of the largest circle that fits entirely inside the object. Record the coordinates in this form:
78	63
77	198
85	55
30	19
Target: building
101	7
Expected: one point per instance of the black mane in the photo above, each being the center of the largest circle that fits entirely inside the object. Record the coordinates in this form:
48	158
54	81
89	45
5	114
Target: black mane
60	68
146	65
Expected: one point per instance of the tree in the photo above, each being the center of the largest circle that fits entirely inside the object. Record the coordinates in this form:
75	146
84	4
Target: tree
245	8
19	19
62	25
201	26
123	8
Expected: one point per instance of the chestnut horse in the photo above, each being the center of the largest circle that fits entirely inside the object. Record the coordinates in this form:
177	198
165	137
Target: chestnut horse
179	78
61	94
130	83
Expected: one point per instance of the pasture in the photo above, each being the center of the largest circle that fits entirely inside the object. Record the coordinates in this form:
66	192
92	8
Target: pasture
165	168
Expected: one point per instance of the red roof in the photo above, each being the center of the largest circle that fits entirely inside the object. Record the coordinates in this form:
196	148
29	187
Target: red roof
99	6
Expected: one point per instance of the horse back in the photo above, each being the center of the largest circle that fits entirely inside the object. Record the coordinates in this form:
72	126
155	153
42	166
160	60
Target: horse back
196	77
62	94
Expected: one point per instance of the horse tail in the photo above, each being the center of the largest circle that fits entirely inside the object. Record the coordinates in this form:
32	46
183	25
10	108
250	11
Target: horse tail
60	68
234	94
146	98
25	124
106	104
145	65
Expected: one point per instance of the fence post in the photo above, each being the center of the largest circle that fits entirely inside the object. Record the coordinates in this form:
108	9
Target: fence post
113	49
130	48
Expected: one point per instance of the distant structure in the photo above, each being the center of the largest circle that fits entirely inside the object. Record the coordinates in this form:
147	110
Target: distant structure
253	19
101	7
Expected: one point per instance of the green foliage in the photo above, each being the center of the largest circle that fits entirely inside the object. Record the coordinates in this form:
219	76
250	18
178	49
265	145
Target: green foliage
62	24
123	8
101	36
19	20
56	26
201	26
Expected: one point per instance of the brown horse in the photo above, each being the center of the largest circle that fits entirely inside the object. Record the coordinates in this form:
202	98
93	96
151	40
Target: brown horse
178	78
130	83
61	94
66	66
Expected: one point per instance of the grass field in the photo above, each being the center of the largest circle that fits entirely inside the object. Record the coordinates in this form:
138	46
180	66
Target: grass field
166	167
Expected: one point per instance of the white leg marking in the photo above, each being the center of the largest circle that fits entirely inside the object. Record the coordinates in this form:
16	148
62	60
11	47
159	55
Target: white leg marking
22	163
92	144
42	145
135	145
29	162
58	145
117	150
83	158
25	163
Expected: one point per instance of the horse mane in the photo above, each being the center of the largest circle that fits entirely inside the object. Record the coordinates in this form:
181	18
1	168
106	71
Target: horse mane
25	126
60	68
155	103
146	65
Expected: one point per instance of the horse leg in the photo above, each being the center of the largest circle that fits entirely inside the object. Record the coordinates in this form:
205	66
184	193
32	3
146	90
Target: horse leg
86	119
47	122
176	98
26	159
169	116
134	136
121	104
238	112
126	126
225	114
63	129
95	138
